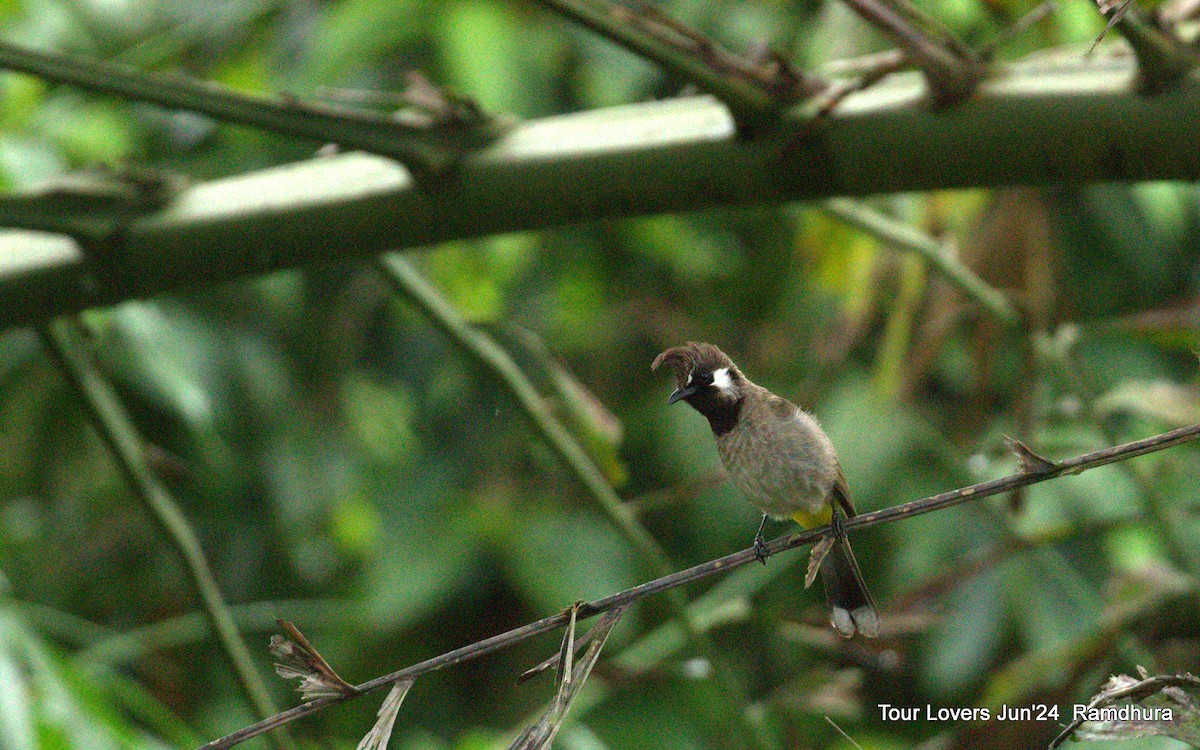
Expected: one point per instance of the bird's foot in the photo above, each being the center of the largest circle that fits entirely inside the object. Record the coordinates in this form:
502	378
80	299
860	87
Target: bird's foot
760	549
760	544
838	525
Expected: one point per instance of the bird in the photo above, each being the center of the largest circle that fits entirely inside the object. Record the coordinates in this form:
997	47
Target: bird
778	456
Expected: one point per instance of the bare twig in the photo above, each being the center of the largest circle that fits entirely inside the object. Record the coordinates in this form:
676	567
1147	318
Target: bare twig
872	68
571	677
61	339
299	659
1118	9
842	732
1020	26
754	89
1074	465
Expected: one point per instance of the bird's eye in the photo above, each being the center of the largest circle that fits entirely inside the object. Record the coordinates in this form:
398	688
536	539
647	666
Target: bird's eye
704	377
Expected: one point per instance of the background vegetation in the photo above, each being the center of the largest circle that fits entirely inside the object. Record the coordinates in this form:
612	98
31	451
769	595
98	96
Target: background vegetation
350	467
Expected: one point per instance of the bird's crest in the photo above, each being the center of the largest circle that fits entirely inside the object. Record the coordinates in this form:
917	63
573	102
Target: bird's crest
692	357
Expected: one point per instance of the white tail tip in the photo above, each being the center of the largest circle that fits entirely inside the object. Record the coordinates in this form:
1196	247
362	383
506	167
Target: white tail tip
864	620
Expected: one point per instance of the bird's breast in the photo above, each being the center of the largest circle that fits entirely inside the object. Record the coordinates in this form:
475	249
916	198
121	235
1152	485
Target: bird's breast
779	472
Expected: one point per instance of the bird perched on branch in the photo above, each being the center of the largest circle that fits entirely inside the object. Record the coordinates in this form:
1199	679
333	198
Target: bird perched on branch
781	459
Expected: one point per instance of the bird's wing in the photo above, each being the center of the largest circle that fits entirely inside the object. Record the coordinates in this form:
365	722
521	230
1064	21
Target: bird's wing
841	494
785	410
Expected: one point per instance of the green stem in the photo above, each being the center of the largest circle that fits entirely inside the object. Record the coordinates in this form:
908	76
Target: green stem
707	65
934	253
1049	121
115	649
62	340
421	148
411	285
894	349
1162	57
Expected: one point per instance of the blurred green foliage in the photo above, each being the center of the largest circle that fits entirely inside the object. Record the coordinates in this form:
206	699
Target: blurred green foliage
329	444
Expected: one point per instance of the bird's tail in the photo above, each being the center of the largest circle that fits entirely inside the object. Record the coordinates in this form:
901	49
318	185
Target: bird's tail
852	608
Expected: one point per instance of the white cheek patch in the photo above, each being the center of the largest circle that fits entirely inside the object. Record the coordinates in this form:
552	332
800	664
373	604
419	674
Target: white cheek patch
722	381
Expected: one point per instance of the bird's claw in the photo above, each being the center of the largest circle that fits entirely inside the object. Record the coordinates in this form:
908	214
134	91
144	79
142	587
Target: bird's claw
760	549
838	525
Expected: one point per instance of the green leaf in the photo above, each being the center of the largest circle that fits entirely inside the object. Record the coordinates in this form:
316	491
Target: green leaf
171	359
1049	600
25	162
692	253
461	273
96	132
47	703
432	546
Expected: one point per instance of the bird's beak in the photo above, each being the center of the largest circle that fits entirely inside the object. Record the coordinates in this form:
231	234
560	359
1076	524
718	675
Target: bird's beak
681	393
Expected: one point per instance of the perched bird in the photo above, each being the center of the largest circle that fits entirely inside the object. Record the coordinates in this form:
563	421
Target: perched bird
784	463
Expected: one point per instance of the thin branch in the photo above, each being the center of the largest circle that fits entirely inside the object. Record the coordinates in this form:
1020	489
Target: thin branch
1017	28
952	70
1075	465
754	90
428	147
721	565
89	204
842	732
935	253
62	340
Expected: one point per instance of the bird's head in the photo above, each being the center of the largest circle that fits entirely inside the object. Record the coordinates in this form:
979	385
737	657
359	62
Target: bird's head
704	377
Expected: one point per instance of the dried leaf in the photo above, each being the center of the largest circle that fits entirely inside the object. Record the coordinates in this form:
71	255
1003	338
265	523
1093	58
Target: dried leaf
377	738
573	674
566	651
554	660
819	552
1128	707
1030	462
430	106
298	659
